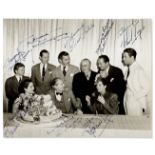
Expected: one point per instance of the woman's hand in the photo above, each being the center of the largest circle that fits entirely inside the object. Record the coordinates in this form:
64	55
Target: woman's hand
87	98
18	100
97	76
101	99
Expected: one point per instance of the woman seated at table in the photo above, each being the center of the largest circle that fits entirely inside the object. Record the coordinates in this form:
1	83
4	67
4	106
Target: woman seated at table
103	102
30	106
64	100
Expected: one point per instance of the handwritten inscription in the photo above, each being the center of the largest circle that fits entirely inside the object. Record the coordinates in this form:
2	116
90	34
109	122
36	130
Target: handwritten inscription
130	33
104	36
20	56
71	40
12	130
88	125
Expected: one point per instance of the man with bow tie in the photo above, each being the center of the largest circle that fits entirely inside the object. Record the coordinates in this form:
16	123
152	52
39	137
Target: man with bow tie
64	100
12	84
42	74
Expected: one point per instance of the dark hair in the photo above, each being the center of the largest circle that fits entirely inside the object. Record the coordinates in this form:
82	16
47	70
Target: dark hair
63	53
54	81
17	66
103	80
42	52
24	84
131	52
104	57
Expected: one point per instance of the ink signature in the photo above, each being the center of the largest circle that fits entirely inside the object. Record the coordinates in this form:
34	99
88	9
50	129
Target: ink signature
90	125
12	131
130	33
71	40
74	38
93	126
20	56
104	36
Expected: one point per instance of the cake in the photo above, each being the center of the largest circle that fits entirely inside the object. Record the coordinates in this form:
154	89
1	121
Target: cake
35	109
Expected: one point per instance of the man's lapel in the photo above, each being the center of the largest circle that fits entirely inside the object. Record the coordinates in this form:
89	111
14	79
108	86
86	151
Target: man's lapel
110	70
38	73
60	72
15	81
47	72
69	72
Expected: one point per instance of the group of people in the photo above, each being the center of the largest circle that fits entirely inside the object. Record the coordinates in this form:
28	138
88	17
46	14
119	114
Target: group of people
84	91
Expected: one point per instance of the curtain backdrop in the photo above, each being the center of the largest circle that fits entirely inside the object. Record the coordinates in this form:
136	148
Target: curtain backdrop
25	38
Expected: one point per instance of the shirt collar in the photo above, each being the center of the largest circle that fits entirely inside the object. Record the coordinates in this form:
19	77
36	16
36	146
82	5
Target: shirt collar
88	75
107	69
132	65
66	68
41	65
18	77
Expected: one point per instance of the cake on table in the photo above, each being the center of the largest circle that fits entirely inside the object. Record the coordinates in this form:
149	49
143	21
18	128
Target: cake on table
35	109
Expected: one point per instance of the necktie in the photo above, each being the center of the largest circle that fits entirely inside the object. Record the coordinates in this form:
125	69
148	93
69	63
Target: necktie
64	71
128	73
43	73
20	80
87	77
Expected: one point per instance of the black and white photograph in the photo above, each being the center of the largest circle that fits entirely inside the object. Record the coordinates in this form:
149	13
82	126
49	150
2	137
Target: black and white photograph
77	78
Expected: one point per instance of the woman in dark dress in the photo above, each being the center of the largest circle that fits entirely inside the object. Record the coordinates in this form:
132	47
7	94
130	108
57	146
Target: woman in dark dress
102	101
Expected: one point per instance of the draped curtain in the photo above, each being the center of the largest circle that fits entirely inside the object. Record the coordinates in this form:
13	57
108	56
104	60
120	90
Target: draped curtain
23	40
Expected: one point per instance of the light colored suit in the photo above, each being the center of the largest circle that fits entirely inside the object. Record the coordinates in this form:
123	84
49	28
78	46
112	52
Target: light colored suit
42	87
135	99
68	79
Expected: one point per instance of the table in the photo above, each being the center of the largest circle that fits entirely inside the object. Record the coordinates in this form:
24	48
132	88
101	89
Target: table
112	126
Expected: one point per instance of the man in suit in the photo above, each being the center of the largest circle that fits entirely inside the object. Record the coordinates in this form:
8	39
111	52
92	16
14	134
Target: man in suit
84	84
42	74
12	84
65	71
137	87
64	100
115	78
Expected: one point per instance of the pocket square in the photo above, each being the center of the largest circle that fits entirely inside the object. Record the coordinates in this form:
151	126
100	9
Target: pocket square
112	79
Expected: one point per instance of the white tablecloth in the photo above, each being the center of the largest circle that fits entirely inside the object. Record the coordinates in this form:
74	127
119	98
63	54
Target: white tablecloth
82	126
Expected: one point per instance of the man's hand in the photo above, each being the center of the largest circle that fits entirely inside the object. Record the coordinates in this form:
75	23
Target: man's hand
101	99
97	76
79	112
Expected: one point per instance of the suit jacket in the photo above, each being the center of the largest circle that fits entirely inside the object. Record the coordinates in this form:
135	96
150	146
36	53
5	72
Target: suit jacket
11	89
83	87
68	103
42	87
117	85
110	106
138	87
68	79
